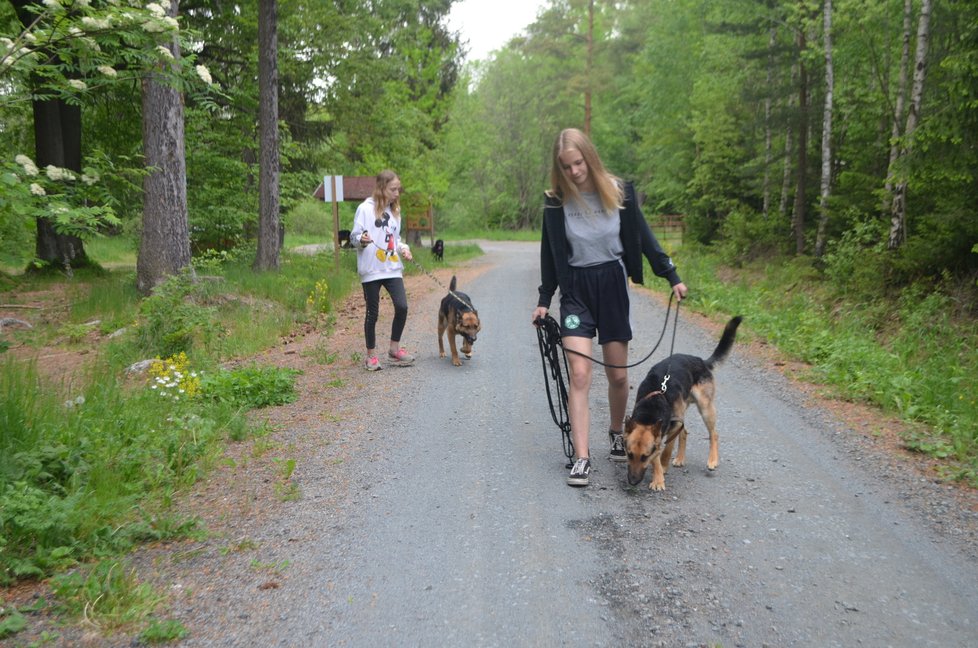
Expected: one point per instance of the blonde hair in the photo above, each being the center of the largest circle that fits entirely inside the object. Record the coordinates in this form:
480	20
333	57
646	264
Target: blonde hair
608	186
384	178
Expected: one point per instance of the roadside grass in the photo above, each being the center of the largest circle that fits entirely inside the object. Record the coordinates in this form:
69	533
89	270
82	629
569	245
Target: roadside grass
911	358
90	464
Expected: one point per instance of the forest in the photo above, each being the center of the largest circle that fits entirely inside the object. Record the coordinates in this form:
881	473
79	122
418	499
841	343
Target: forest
842	131
816	153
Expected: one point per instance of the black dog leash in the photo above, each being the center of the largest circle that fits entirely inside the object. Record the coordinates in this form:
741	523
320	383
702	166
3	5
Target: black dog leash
551	349
665	325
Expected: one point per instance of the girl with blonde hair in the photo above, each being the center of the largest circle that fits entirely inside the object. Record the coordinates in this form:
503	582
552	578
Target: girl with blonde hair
593	240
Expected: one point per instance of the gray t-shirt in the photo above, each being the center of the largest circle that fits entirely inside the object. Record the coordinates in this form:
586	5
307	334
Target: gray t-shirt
594	233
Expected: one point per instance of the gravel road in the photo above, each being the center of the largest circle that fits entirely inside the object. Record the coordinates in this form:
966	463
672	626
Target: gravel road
434	511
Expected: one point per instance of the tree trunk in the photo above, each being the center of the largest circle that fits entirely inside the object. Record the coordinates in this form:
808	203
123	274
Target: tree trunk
164	248
766	188
57	141
587	72
898	210
799	213
267	257
826	184
898	102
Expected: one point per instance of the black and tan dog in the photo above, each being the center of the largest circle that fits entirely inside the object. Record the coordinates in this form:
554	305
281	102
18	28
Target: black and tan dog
660	409
457	316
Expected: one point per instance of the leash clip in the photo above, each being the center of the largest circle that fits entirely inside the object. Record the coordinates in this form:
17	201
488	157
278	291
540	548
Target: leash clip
664	381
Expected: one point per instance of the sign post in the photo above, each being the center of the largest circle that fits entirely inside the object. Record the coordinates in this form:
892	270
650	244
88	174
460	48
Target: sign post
333	191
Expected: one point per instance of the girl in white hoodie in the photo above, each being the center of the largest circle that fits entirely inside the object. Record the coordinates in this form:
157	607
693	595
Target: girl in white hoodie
376	236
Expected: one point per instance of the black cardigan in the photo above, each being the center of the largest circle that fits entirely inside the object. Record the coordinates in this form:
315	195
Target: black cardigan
636	238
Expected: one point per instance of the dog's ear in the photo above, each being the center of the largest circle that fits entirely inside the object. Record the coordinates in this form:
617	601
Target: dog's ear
629	425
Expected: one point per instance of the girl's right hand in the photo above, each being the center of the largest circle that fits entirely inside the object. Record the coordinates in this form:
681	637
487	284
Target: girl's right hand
538	313
364	239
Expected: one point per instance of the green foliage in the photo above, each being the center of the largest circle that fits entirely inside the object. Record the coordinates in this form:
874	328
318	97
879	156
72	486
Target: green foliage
172	321
251	387
917	361
163	631
90	473
107	594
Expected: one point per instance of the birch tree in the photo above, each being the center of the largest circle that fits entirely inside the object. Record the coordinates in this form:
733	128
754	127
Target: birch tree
898	208
826	183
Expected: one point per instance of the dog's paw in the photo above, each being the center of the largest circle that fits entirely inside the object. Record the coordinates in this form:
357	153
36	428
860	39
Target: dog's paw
457	362
678	462
657	486
712	465
442	354
468	355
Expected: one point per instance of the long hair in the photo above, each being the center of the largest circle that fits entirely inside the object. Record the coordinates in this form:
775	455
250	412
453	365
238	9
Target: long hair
384	178
608	186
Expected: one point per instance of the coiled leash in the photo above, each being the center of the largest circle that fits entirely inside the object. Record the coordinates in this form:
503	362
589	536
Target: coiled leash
552	348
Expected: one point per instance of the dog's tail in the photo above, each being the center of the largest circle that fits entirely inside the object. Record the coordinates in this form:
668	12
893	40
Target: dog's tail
726	343
451	286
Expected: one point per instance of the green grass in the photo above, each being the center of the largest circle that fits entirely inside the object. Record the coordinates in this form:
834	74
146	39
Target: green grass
911	359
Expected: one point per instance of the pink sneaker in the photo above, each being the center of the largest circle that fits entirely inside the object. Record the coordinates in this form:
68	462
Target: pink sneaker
372	364
402	357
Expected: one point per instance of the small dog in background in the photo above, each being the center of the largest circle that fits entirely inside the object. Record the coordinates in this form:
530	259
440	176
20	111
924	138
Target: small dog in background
457	316
438	250
343	237
660	409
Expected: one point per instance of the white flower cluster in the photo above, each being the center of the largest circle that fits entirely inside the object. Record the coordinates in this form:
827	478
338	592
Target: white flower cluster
168	386
96	23
29	167
57	173
204	74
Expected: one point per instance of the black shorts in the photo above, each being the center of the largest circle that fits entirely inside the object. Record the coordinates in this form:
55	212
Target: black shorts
597	302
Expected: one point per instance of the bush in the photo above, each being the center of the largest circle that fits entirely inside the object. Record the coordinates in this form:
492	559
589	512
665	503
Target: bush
172	322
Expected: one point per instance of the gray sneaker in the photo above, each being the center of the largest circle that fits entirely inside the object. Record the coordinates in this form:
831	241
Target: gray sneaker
617	453
580	472
402	358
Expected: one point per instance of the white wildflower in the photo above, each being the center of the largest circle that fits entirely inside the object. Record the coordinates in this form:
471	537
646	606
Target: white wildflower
30	37
156	9
164	52
96	23
29	167
89	179
165	4
153	26
55	173
77	84
171	22
204	74
53	5
7	43
37	189
107	70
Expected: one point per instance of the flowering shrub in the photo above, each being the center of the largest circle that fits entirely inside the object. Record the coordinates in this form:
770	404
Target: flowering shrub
172	378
